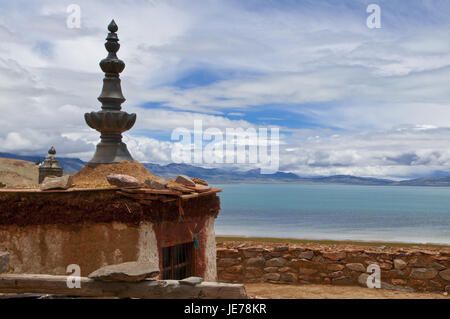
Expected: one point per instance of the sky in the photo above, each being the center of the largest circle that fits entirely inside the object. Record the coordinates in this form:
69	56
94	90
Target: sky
346	98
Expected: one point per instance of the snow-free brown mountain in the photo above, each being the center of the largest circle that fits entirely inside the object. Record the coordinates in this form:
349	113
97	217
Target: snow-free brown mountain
220	175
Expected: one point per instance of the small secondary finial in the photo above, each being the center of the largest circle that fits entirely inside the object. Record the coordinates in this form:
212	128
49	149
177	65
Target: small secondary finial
50	166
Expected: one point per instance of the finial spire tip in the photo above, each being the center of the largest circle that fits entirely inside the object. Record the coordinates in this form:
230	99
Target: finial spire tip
112	27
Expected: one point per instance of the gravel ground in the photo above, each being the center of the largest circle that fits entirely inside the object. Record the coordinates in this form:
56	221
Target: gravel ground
275	291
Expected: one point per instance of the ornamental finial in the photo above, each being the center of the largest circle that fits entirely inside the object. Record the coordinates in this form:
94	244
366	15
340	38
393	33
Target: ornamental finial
112	27
112	64
50	166
111	122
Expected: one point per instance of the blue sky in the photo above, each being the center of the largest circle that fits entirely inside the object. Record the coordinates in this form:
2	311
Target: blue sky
347	99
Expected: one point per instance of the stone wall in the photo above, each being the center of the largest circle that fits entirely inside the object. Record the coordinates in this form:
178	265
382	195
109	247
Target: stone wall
403	269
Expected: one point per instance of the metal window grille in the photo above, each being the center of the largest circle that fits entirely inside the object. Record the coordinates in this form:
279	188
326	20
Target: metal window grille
178	261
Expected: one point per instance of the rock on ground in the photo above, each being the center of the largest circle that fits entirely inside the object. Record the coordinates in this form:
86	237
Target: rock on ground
308	255
445	274
200	181
191	281
423	273
156	184
130	271
185	180
399	264
276	262
334	255
356	267
271	276
121	180
62	182
362	280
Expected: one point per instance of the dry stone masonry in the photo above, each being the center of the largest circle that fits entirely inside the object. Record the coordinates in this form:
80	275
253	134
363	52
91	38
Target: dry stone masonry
403	269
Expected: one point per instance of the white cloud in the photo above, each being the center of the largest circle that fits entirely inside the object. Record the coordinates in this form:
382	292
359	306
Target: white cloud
398	153
320	62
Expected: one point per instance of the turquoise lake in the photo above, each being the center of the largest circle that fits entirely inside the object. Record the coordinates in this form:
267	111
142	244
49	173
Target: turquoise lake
341	212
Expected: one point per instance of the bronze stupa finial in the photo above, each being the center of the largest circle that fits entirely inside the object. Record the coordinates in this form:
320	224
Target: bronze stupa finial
111	122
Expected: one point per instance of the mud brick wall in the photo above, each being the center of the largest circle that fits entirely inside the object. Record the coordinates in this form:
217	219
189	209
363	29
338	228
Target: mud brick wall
402	269
44	232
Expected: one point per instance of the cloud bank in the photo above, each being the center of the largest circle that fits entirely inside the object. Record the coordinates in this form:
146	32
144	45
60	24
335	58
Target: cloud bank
347	99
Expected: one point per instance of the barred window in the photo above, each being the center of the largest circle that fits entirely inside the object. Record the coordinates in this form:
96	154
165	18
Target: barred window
178	261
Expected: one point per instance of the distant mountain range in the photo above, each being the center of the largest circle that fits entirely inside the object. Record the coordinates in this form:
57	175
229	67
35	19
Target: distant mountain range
219	176
426	181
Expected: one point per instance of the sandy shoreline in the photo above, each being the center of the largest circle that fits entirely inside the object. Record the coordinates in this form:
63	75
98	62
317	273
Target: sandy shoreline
277	240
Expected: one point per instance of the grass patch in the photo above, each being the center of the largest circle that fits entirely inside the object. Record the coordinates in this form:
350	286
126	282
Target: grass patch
221	239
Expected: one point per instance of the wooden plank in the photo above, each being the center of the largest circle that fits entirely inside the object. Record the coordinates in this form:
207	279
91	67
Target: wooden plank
145	202
167	200
21	296
128	195
147	289
151	191
189	196
85	190
139	196
180	188
199	188
100	189
194	195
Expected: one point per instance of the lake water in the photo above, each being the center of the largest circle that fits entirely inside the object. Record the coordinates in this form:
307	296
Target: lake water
341	212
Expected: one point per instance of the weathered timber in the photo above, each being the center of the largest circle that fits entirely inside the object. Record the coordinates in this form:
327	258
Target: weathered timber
180	188
150	191
194	195
139	196
166	200
147	289
145	202
199	188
